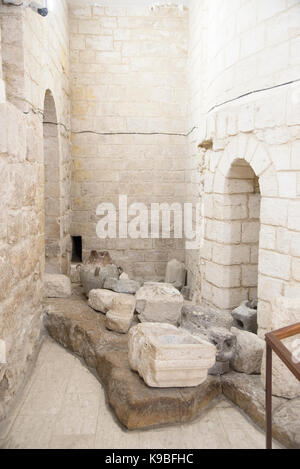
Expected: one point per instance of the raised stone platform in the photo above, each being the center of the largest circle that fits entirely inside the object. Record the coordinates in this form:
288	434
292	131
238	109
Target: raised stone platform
73	324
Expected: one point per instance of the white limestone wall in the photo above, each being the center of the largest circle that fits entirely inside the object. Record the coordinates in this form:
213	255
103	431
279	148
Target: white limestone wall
129	104
35	58
241	47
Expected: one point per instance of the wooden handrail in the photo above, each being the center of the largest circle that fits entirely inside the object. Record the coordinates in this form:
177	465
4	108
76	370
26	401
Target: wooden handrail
273	341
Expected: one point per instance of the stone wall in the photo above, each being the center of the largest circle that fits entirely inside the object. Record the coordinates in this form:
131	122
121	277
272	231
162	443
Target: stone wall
28	41
129	102
246	47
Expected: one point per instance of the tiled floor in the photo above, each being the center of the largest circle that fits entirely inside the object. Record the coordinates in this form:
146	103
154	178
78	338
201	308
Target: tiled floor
64	407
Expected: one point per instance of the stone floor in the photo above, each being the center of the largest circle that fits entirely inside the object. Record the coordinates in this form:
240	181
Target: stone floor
64	406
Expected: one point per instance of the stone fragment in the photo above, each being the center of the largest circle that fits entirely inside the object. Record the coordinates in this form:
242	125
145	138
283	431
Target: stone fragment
225	342
199	318
169	357
118	321
57	286
285	312
219	369
249	352
122	286
93	278
245	316
101	300
137	339
106	300
176	274
99	259
159	302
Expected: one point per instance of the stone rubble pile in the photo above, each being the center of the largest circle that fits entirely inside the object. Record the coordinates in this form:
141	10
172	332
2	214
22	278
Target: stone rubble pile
177	343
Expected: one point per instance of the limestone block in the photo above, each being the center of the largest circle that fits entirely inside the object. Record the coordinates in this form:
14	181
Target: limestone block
122	286
249	352
159	302
101	300
165	356
284	312
124	303
118	321
57	286
93	277
199	318
106	300
176	274
136	339
245	317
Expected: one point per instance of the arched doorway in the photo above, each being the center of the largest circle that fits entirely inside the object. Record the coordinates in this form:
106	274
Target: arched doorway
52	187
242	210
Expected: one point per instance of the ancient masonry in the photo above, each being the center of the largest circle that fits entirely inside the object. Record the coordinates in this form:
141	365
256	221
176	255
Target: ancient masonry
196	103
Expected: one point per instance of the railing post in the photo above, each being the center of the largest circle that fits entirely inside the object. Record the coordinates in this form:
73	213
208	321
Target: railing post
269	397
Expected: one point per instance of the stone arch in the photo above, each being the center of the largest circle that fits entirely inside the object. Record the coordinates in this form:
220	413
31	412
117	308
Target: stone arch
244	190
52	186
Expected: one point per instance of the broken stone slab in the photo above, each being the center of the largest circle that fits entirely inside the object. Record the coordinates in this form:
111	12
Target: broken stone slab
199	318
105	300
170	357
159	302
57	286
176	274
249	352
245	316
93	278
119	318
219	369
284	312
101	300
122	286
118	321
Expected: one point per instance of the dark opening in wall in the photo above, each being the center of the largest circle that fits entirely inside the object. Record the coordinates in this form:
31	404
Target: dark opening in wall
76	249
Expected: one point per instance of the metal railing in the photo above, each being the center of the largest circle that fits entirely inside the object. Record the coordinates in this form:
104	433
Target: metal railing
273	341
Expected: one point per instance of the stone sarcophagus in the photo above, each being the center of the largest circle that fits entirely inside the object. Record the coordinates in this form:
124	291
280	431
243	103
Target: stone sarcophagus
165	356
